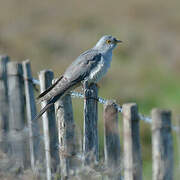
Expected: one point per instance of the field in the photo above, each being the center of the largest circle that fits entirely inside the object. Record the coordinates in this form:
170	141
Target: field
145	68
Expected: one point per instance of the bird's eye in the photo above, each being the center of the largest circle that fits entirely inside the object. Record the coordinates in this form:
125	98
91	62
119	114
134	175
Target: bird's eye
108	41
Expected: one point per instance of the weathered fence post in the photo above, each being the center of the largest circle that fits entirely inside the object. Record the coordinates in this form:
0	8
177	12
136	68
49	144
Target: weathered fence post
132	150
33	127
49	126
16	110
178	139
65	123
90	145
3	103
112	140
162	145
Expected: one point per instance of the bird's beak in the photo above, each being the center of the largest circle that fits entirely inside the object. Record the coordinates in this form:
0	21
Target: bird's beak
117	41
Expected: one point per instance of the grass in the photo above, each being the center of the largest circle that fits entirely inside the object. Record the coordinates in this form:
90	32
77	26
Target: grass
145	69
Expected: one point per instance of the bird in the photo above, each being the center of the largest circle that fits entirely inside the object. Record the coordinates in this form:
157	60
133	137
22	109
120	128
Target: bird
90	66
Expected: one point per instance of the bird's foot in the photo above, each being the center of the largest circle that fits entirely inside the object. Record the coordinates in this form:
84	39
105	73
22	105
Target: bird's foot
90	84
98	86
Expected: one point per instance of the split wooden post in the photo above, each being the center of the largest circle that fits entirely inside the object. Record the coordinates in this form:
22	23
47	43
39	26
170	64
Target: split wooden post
132	150
112	140
16	110
49	126
162	145
3	103
33	127
65	123
90	144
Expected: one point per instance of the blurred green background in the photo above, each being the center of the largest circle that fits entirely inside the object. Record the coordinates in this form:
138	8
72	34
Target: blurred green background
145	68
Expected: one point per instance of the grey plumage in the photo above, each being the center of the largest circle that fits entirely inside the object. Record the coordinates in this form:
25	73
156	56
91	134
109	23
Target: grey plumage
90	65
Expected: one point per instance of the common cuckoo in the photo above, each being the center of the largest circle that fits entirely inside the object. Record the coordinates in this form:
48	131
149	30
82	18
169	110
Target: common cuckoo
90	66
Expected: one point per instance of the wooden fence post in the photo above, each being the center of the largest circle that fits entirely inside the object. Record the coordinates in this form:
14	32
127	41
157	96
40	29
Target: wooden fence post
33	127
49	126
132	150
90	144
16	110
65	123
162	145
112	140
178	139
3	103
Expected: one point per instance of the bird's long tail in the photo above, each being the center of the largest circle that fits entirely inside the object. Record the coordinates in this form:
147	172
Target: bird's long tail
53	93
48	105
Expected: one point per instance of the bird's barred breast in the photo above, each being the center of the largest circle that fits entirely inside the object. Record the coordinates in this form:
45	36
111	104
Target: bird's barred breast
100	70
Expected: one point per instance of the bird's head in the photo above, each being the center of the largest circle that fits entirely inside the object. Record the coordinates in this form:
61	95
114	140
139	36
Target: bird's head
107	43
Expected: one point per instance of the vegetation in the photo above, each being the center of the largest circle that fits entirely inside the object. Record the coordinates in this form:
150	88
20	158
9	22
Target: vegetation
145	69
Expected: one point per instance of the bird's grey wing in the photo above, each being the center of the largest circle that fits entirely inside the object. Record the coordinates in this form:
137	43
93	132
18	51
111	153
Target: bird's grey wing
74	74
48	89
82	66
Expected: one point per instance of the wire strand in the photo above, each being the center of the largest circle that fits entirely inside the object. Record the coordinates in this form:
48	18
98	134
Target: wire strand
101	100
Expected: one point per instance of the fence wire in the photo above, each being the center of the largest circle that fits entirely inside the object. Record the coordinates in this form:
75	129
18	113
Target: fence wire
75	94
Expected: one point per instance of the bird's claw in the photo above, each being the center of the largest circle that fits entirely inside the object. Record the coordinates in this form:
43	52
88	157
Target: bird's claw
98	86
